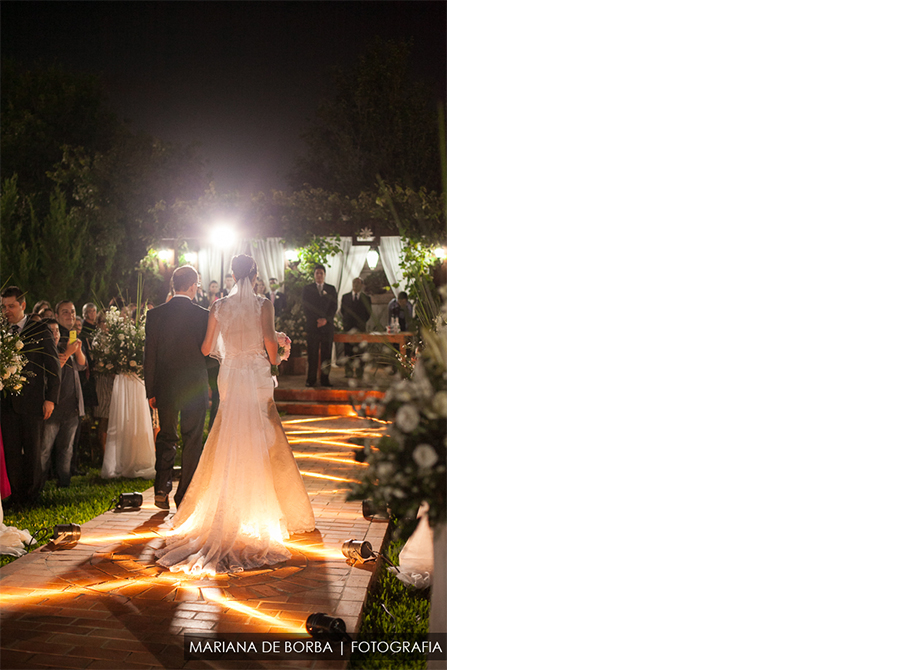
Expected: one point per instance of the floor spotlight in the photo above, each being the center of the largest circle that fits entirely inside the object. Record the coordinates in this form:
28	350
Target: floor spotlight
360	551
371	512
357	550
66	535
323	625
129	501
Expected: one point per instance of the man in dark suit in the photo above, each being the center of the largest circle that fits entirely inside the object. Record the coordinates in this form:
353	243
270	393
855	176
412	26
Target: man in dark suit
177	383
356	310
277	297
319	305
22	416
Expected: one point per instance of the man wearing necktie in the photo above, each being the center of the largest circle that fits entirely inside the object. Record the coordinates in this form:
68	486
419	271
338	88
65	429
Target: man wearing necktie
356	309
22	416
319	302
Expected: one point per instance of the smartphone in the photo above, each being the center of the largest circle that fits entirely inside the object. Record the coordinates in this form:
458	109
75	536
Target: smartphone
73	335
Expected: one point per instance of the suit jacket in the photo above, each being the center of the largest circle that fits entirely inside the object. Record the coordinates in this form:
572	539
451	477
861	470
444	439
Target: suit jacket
278	301
356	313
174	367
43	363
317	306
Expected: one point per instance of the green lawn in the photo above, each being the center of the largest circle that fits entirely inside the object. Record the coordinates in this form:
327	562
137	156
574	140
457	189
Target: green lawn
87	496
393	607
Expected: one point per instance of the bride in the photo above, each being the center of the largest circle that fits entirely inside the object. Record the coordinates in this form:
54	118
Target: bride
247	495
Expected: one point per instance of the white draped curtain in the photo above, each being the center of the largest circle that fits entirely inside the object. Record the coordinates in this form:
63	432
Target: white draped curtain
345	266
390	260
214	263
269	256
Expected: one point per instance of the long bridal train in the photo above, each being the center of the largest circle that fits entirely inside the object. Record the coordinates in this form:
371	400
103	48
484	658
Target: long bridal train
130	450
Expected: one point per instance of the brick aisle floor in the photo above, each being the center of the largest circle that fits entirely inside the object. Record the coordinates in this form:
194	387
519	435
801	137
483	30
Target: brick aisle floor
105	604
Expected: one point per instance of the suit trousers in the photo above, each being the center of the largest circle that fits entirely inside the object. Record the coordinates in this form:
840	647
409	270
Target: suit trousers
22	436
318	347
193	416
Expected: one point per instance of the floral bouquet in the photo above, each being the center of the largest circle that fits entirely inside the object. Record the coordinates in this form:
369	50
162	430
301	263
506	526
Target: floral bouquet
293	324
12	360
119	349
409	465
284	350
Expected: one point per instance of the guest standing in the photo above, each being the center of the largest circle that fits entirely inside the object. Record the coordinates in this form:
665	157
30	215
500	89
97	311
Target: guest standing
277	297
61	428
400	308
356	310
65	316
22	416
88	376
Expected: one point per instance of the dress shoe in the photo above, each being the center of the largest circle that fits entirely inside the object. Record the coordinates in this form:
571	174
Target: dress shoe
161	500
310	384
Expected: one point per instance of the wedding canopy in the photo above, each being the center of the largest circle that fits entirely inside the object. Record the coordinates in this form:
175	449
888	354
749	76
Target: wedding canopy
214	262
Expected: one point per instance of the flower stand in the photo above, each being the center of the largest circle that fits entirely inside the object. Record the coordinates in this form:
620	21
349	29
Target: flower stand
130	446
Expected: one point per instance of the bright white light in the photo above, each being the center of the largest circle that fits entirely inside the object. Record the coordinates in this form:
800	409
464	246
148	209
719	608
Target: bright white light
223	235
167	256
372	258
190	257
291	255
440	252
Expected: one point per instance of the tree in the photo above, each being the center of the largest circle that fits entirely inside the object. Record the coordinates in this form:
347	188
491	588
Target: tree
43	110
379	124
43	254
79	188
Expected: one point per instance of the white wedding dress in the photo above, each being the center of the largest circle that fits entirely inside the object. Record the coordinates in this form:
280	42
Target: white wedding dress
247	495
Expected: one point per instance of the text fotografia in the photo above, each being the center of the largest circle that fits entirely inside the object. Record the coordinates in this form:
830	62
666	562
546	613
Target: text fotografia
245	647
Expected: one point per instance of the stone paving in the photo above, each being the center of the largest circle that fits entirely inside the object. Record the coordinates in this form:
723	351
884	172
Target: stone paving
106	604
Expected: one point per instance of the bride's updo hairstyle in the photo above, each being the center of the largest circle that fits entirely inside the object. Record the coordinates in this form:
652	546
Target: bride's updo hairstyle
243	266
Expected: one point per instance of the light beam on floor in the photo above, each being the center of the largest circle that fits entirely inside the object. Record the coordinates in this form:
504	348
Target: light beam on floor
331	477
254	613
331	459
317	551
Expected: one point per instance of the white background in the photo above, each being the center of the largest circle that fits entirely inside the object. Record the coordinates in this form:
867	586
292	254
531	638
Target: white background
703	199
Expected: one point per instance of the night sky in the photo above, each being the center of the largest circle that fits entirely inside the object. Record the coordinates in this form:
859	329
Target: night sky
241	78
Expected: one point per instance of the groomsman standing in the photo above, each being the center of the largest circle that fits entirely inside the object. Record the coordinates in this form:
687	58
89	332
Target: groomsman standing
22	416
319	305
356	310
177	383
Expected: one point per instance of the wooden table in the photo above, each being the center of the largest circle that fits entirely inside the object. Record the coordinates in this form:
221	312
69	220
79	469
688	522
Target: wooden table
395	338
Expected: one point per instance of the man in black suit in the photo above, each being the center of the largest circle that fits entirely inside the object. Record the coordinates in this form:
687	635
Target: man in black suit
177	382
356	310
277	297
22	416
319	305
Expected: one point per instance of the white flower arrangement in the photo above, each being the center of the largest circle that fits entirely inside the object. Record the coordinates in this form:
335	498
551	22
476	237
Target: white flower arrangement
119	349
12	360
409	465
